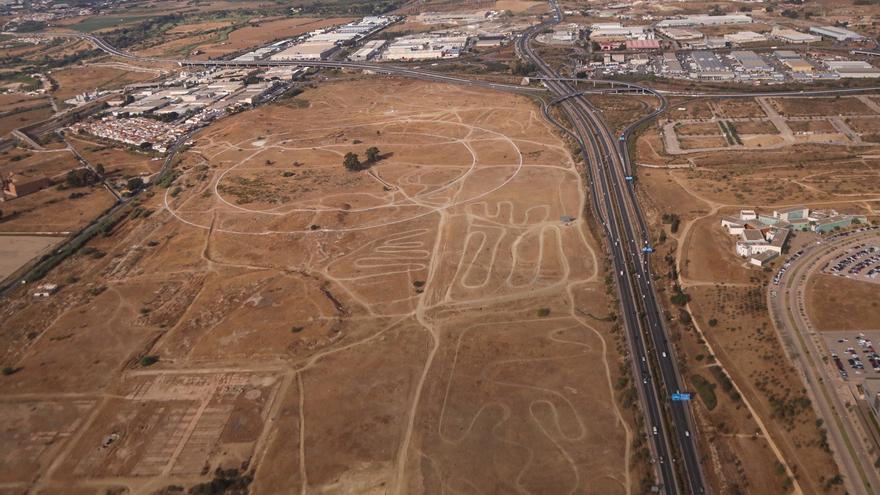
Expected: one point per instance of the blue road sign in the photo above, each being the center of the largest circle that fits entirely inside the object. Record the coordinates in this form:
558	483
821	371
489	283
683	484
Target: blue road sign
681	397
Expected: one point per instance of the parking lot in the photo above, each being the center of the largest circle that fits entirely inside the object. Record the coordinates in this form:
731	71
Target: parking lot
854	354
859	262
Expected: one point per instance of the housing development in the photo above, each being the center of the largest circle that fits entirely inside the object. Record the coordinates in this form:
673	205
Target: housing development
418	247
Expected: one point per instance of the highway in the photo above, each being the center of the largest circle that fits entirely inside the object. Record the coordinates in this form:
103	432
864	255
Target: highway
615	205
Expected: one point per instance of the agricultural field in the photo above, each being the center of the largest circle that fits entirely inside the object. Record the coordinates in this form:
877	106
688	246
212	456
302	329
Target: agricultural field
433	290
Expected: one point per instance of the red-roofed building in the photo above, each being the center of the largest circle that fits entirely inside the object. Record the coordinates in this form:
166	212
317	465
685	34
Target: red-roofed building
643	44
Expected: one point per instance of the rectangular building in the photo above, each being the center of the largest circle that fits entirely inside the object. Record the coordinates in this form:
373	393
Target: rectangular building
310	50
751	61
705	20
368	51
643	45
707	61
853	69
677	34
836	33
744	37
792	36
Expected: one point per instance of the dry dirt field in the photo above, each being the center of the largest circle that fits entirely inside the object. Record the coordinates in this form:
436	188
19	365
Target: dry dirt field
693	143
48	210
802	107
839	303
813	126
10	122
118	163
755	127
739	108
78	79
15	251
518	6
428	325
698	129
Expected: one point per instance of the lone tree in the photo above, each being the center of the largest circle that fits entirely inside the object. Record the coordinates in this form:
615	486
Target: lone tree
352	162
372	154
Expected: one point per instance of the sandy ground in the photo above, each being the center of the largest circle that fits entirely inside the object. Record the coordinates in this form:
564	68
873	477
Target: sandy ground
15	251
426	326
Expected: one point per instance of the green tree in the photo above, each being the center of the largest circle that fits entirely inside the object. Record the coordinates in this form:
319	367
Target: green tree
135	184
372	154
351	161
79	177
100	169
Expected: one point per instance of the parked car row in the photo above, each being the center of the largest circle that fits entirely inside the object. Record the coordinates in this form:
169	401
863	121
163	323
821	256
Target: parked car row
845	262
785	266
854	359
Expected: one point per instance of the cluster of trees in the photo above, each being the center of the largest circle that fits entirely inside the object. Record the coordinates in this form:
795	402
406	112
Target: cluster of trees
352	161
673	220
520	68
339	7
30	26
80	177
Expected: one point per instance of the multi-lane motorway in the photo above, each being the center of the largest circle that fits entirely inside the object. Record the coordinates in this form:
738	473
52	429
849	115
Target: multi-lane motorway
668	423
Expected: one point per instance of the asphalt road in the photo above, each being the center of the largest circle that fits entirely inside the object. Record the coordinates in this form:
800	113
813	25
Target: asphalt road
786	302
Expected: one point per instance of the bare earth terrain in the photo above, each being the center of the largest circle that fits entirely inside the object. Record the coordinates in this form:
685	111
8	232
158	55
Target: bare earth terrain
428	325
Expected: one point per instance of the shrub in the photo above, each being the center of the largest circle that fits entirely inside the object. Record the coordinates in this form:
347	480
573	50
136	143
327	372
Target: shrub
706	391
148	360
542	312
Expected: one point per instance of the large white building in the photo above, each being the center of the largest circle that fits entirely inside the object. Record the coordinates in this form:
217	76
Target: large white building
705	20
368	51
792	36
837	33
614	31
856	69
426	47
310	50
